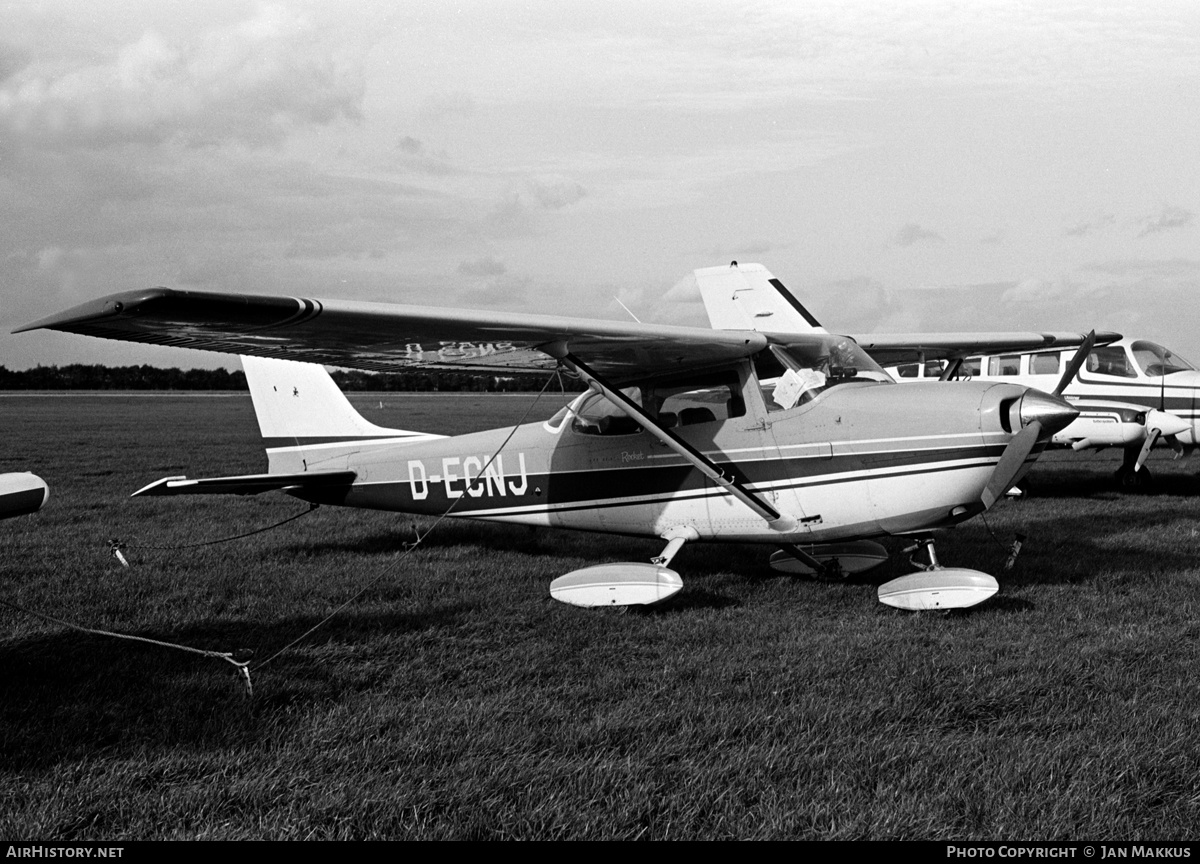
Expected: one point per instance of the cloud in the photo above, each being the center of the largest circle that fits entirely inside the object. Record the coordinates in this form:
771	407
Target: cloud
556	193
12	61
482	267
445	106
409	145
1083	229
495	292
913	233
252	82
1167	218
745	250
686	290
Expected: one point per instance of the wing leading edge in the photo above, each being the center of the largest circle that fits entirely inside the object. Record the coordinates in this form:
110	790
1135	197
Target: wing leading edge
382	337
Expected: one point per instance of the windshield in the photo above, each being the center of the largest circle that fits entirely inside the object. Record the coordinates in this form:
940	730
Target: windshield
794	373
1156	361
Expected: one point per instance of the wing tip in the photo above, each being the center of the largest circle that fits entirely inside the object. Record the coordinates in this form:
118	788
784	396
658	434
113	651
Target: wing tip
93	310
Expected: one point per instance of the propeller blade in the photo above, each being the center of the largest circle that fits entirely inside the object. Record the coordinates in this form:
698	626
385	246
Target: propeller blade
1151	437
1012	461
1076	361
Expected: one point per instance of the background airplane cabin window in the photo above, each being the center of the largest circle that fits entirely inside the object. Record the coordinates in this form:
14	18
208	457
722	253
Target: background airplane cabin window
907	370
1044	364
1006	364
970	368
934	368
1110	360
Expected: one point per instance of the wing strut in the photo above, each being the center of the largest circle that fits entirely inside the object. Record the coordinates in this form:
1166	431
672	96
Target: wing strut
775	520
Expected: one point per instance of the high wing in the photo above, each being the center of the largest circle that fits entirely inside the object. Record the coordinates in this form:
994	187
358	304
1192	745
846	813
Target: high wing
748	297
384	337
889	349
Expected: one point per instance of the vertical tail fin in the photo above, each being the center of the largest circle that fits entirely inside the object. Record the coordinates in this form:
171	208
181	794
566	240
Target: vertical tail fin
299	403
748	297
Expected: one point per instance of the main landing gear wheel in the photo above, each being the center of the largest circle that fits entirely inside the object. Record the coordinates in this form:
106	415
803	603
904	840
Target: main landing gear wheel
1129	480
934	587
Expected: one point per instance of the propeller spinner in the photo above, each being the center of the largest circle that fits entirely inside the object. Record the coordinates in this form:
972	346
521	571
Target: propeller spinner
1041	415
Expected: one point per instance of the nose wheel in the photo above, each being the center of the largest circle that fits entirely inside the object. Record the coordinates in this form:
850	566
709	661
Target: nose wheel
1132	477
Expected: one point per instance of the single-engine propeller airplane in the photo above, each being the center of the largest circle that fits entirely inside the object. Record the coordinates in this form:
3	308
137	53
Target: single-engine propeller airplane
795	440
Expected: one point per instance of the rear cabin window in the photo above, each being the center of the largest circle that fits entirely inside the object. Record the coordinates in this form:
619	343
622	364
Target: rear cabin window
1111	361
1044	364
908	370
970	368
1006	364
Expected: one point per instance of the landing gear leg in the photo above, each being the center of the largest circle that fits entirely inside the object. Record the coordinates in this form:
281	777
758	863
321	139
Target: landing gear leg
673	546
925	543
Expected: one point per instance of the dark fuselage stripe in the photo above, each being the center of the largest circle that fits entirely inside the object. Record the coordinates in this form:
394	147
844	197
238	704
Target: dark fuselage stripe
565	492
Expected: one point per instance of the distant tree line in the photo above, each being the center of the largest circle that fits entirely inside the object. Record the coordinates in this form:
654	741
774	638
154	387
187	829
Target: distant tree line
77	376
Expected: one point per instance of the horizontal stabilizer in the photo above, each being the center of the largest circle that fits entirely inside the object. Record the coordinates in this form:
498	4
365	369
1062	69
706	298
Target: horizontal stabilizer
246	484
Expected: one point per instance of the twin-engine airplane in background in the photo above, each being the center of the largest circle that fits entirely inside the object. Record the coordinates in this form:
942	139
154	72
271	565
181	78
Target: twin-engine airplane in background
1132	394
796	440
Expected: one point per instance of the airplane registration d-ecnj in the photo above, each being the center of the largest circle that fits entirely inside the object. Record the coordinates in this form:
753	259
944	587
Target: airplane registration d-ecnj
749	434
1131	394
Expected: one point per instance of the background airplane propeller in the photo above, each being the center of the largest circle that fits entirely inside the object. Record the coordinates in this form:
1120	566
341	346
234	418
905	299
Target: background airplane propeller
1076	363
1041	415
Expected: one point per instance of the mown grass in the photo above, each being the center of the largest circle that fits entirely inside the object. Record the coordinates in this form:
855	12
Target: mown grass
454	699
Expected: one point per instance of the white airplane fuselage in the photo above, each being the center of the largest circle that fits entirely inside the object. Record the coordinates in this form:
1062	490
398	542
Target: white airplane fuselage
859	460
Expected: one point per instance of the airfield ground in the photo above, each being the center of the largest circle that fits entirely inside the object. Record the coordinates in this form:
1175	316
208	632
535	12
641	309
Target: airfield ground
454	699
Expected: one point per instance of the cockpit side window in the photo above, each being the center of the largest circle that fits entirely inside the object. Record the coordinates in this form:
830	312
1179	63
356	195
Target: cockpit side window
598	416
1110	360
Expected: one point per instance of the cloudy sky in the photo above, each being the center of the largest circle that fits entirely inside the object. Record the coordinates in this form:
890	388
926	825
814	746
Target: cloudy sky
902	166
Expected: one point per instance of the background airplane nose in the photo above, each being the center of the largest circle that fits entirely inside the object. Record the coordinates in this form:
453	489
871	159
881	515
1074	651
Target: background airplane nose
1052	412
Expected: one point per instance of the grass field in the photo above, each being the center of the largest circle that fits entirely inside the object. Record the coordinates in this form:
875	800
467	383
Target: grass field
454	699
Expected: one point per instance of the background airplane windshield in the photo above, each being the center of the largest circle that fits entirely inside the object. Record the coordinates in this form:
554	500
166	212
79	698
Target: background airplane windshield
1155	360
